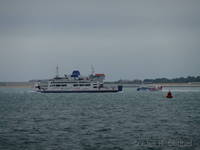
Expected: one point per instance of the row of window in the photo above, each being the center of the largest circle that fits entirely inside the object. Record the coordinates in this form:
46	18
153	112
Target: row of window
68	82
60	85
82	84
59	82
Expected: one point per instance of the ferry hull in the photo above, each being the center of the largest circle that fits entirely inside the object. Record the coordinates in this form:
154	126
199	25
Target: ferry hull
119	89
108	91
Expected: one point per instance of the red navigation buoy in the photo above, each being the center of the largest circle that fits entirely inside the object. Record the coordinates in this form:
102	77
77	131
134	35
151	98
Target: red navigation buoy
169	95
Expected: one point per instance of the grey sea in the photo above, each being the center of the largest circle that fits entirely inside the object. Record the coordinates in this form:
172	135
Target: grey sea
105	121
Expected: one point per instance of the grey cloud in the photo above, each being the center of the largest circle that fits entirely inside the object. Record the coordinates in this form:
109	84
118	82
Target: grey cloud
124	39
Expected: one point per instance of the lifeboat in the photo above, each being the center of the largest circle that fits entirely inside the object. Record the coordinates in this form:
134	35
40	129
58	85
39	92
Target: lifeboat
153	88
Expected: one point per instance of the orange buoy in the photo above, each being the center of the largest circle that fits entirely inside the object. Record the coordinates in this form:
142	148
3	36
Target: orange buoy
169	95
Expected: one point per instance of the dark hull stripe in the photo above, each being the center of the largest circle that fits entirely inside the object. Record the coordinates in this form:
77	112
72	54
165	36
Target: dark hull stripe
108	91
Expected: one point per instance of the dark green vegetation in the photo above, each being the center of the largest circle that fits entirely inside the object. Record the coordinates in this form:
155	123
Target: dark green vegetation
162	80
174	80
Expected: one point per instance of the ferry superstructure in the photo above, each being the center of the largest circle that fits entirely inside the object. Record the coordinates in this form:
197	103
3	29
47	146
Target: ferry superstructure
76	83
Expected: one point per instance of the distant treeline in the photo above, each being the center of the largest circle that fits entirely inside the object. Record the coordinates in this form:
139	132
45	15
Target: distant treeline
162	80
174	80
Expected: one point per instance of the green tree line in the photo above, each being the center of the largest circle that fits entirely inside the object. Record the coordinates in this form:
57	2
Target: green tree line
162	80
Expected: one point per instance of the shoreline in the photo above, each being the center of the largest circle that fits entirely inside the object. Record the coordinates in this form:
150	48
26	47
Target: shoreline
16	85
165	85
31	84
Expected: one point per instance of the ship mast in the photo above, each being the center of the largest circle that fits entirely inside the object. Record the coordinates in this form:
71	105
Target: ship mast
57	72
92	70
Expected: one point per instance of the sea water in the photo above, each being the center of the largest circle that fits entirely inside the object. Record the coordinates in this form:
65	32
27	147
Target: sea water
100	121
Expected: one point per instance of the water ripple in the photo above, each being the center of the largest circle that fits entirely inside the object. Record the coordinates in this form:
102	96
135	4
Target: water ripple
106	121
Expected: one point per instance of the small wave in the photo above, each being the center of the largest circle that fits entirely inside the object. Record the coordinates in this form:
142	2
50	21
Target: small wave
103	130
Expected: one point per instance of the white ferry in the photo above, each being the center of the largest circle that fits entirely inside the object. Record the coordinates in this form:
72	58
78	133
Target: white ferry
76	83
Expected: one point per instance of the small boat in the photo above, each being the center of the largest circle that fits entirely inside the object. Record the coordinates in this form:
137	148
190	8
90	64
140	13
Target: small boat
152	88
169	95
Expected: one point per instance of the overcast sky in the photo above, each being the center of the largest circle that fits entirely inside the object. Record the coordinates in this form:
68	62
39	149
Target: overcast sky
125	39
